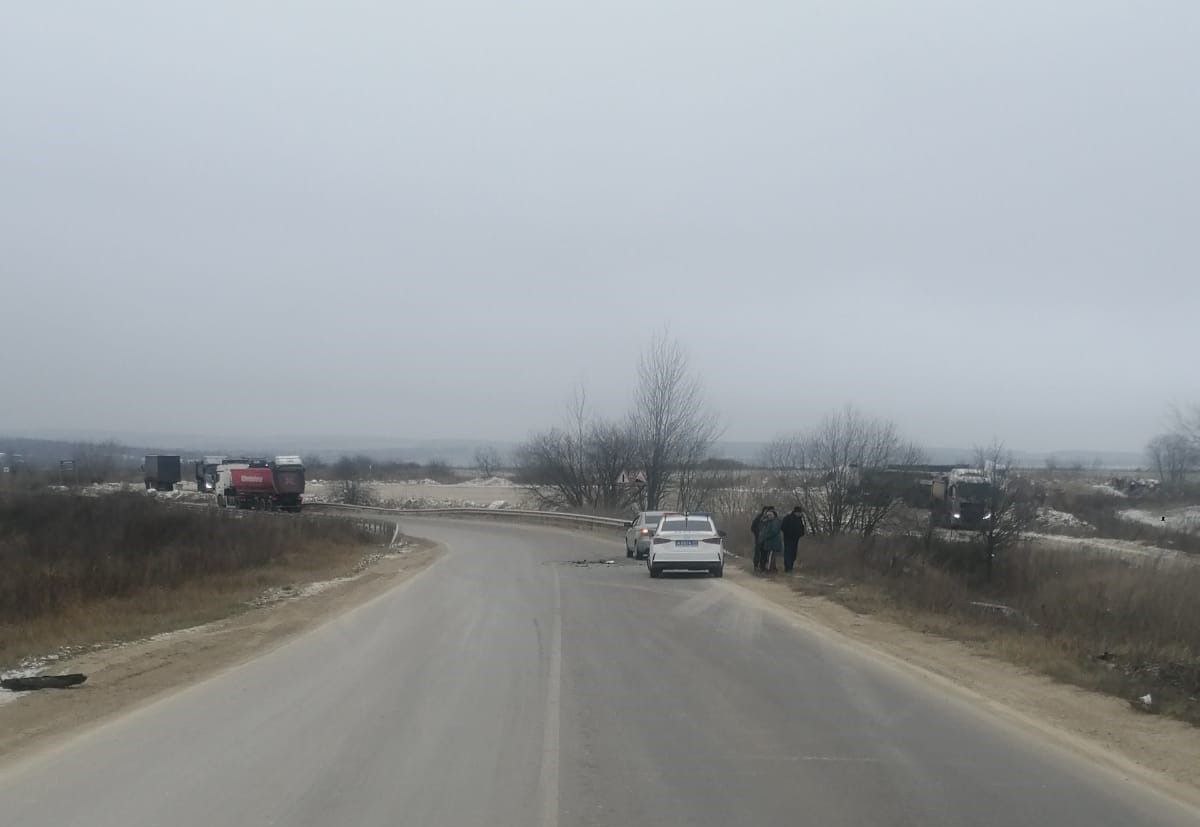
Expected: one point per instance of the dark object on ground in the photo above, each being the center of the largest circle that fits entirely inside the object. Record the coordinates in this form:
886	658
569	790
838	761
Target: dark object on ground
43	682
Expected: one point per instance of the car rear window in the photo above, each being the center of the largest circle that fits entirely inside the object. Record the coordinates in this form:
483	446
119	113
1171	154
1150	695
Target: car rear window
653	519
688	524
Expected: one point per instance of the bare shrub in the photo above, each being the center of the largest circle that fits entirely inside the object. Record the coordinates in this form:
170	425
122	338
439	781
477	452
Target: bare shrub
352	492
487	461
439	470
1173	456
581	465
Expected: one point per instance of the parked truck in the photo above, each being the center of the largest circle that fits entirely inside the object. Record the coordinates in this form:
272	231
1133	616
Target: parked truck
265	485
961	499
161	471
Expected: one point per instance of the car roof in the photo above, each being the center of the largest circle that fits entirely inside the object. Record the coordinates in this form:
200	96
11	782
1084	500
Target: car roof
662	513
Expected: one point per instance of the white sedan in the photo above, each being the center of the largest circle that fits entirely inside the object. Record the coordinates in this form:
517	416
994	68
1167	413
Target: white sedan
687	543
640	532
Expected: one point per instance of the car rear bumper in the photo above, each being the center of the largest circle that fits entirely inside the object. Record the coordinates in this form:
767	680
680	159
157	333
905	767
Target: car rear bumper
701	561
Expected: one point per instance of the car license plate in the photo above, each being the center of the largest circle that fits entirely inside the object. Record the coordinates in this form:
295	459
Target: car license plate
687	542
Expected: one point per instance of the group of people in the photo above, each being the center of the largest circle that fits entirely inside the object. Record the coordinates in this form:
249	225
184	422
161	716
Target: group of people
774	537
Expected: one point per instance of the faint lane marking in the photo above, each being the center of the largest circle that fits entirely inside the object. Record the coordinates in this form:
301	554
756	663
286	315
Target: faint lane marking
548	778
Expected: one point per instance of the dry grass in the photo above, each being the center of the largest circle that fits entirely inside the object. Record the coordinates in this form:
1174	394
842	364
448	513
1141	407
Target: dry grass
79	571
1098	622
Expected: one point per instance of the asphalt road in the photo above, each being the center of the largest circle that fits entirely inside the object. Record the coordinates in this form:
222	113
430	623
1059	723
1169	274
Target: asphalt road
507	685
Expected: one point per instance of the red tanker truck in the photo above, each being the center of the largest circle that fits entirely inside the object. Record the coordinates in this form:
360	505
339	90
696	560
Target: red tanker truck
262	484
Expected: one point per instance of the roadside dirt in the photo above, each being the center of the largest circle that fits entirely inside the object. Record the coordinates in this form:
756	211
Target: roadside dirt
129	674
1162	752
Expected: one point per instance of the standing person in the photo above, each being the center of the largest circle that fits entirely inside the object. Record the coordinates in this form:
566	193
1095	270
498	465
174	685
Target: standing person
755	524
793	529
770	537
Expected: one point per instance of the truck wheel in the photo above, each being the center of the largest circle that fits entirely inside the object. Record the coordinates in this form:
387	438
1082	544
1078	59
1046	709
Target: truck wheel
655	571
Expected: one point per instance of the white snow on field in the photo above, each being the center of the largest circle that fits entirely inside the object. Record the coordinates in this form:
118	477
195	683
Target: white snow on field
28	669
1175	519
1105	488
1123	548
34	666
1053	518
489	482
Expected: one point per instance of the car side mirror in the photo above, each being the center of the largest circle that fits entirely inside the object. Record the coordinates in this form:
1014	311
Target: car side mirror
722	533
629	525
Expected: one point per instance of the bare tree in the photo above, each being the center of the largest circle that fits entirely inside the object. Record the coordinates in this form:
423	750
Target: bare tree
549	466
1011	504
847	490
97	461
609	452
784	457
1186	422
671	422
581	465
1173	456
487	460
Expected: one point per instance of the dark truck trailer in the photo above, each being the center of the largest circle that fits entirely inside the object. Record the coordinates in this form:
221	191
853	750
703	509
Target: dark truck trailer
289	483
162	471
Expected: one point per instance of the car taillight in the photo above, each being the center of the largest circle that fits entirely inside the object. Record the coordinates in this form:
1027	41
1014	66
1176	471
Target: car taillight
658	540
645	531
714	540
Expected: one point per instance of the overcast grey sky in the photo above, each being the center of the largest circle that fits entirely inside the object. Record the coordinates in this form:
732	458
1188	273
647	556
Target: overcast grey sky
430	219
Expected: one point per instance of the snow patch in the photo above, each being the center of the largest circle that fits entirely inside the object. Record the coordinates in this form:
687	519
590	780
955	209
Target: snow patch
1175	519
1053	518
490	482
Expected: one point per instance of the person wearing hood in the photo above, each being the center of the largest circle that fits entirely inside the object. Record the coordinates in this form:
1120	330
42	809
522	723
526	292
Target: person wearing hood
770	539
755	524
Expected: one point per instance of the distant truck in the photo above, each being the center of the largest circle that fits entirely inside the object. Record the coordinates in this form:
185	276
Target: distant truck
206	474
961	499
265	485
162	471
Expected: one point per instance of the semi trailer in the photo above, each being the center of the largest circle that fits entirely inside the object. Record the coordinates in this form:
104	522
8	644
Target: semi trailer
161	471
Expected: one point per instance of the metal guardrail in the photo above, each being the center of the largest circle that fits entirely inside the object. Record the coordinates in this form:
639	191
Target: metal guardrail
510	513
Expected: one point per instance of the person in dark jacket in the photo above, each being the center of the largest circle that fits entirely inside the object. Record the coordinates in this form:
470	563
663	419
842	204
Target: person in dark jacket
770	538
754	526
793	529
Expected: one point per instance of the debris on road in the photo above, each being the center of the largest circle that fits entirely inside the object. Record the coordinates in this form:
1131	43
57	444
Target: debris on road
1145	704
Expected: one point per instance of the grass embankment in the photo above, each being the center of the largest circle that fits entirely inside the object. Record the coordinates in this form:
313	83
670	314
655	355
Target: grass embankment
78	570
1097	621
1101	623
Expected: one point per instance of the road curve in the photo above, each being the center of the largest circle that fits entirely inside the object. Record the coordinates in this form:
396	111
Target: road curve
507	685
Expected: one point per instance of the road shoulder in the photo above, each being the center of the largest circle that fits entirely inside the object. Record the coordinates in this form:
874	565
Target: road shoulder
1161	752
127	675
